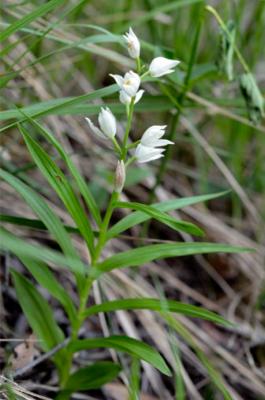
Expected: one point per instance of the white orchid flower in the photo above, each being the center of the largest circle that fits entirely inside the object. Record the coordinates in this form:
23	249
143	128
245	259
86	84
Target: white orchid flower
126	99
107	124
133	44
144	154
129	83
151	145
152	136
162	66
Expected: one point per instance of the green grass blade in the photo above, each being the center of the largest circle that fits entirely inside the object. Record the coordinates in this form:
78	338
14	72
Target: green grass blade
27	19
125	344
157	305
138	217
180	226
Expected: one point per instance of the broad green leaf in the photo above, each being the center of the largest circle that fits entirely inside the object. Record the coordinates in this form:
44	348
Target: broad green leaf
83	187
144	254
125	344
45	213
21	248
59	183
180	226
157	305
93	376
39	314
138	217
46	279
28	18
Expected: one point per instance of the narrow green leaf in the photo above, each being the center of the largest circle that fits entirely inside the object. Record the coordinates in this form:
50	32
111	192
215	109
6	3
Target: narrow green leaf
142	255
46	279
83	187
38	314
19	247
32	223
138	217
157	305
63	103
45	213
59	183
28	18
180	226
93	376
125	344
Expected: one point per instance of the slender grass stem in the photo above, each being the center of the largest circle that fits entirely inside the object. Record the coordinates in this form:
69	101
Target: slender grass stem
223	25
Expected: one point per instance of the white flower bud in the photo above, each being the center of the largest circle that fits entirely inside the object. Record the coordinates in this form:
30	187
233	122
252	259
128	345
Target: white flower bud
144	154
132	43
107	123
126	99
162	66
120	177
129	83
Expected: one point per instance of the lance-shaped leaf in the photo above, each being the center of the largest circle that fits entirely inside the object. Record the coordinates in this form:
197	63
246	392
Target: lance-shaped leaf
157	305
59	183
177	225
91	377
125	344
39	315
45	213
138	217
142	255
46	279
21	248
83	187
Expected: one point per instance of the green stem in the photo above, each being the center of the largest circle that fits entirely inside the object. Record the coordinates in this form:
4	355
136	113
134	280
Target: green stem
104	227
88	284
138	65
128	128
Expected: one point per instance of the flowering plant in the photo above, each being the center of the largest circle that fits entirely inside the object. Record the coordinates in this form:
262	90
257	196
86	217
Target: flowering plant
96	232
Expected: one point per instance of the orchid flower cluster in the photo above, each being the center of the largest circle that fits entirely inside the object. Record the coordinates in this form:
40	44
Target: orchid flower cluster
151	146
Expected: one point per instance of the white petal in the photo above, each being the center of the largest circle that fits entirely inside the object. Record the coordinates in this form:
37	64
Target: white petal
145	154
152	134
131	83
94	129
124	97
138	96
118	79
107	122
